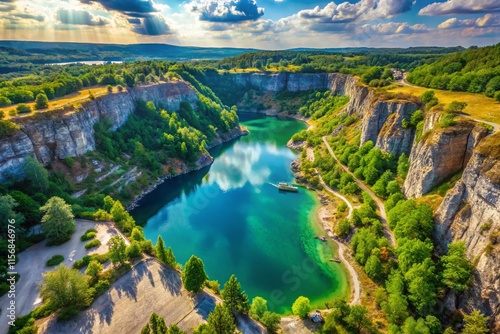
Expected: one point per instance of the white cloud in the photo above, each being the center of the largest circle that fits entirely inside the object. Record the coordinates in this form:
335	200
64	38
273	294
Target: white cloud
460	7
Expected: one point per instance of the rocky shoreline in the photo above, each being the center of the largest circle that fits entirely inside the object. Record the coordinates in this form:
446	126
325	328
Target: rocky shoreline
203	161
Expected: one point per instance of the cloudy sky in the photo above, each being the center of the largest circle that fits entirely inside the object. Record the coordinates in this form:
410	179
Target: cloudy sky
266	24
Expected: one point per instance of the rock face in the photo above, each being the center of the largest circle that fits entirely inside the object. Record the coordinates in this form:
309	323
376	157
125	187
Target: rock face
382	124
470	213
70	133
441	155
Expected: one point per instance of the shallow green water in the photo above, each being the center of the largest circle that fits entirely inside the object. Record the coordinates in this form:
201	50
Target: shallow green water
237	222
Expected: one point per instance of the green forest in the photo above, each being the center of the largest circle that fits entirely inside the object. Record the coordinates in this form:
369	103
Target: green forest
476	70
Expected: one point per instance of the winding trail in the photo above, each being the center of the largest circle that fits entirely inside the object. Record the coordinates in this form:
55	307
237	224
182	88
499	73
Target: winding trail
356	286
380	204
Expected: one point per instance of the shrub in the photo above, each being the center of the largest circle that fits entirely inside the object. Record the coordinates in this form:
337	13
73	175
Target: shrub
109	88
12	112
92	243
70	162
67	313
88	236
41	101
4	102
447	120
2	114
214	286
102	215
8	128
55	260
23	108
120	88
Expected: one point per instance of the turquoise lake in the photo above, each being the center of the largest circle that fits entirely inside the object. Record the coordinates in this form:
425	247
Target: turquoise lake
237	222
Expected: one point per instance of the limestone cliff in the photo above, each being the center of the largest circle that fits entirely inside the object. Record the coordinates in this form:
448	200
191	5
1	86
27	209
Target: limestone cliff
442	153
382	124
470	212
70	132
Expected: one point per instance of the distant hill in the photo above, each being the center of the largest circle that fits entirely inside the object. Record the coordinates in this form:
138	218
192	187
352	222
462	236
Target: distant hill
89	51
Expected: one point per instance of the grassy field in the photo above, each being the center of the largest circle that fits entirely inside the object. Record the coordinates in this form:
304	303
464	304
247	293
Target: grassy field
478	106
77	97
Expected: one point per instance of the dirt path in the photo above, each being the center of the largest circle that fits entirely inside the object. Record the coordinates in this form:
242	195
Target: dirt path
380	204
355	285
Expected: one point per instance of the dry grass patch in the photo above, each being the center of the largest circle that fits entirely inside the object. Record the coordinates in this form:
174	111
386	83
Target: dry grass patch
76	97
478	106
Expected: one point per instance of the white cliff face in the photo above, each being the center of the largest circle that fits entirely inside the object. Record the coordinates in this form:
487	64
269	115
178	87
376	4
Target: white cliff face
382	124
60	134
441	155
470	213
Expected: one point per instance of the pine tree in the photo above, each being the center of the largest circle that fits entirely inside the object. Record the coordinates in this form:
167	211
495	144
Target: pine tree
194	275
220	321
165	255
234	298
156	325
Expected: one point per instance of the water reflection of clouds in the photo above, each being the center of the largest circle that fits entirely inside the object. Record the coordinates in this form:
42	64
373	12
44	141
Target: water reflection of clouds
234	170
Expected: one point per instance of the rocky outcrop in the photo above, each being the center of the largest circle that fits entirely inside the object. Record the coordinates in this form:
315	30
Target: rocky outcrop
470	213
70	132
382	124
440	155
337	83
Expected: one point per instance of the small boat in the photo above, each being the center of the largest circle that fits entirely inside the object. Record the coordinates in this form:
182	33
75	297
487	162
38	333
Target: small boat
335	259
284	186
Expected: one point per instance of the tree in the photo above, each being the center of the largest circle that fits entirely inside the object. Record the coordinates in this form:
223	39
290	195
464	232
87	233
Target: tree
357	318
420	284
220	321
36	174
234	298
155	325
271	320
457	273
65	287
194	276
137	234
57	222
7	206
23	108
94	268
165	255
403	166
41	101
301	306
109	88
373	266
134	250
120	88
475	323
343	228
258	308
117	250
121	217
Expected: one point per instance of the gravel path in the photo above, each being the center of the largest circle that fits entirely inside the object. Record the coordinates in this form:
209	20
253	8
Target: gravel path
31	265
355	285
380	204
